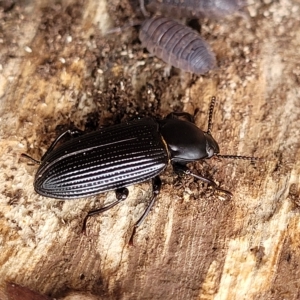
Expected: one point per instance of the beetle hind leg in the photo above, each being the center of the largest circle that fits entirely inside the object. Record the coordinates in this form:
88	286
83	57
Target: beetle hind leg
156	185
121	195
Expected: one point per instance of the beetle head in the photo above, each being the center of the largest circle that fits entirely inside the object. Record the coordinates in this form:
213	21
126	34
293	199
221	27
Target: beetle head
212	146
186	142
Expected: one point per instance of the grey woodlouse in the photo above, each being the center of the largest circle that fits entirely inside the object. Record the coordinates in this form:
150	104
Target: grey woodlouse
195	8
177	45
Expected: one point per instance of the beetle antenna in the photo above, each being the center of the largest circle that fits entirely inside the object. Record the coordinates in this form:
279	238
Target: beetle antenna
35	161
210	114
239	157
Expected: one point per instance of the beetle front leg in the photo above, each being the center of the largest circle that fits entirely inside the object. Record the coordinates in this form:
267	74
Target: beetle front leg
182	169
156	185
121	195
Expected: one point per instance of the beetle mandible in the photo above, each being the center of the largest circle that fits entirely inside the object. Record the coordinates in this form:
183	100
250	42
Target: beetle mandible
115	157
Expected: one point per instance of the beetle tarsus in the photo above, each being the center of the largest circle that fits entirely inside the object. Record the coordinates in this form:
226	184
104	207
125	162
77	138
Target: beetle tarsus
121	195
35	161
182	169
156	185
130	243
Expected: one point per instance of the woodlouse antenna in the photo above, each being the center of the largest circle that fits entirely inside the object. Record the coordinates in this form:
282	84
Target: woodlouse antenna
123	28
35	161
210	114
143	9
239	157
213	9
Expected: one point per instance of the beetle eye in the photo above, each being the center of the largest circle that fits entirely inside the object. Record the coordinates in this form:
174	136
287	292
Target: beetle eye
209	150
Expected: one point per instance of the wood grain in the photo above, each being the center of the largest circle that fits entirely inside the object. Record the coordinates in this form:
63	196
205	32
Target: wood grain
58	69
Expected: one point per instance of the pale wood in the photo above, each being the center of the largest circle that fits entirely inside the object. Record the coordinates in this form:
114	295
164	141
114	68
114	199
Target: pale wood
193	245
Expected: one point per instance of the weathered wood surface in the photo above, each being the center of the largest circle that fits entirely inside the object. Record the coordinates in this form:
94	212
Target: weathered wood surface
57	70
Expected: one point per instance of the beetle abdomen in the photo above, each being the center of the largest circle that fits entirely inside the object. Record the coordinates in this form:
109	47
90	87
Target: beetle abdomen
177	45
104	160
196	9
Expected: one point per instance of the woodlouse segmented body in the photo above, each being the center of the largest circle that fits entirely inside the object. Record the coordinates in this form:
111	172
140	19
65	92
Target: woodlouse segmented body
177	45
195	8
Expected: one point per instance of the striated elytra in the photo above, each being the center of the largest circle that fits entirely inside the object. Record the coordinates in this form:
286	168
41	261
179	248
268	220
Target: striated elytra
103	160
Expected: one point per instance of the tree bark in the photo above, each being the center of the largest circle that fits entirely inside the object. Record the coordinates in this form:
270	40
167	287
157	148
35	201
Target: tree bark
58	70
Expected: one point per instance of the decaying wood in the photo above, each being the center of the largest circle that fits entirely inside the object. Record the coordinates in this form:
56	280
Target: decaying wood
57	70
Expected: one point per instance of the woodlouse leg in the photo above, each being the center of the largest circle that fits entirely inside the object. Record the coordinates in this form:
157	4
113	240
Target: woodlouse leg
156	185
121	195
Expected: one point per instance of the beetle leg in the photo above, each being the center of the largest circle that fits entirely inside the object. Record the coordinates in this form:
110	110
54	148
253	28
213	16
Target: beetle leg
121	195
185	115
71	133
178	168
156	185
35	161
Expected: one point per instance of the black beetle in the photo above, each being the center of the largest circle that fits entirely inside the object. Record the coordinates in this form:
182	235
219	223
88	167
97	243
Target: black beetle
122	155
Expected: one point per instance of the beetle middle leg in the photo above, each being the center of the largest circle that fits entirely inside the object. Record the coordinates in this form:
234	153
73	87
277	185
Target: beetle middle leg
121	195
156	185
182	169
185	115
